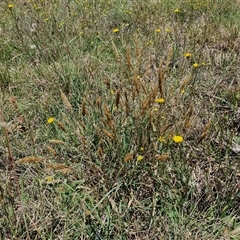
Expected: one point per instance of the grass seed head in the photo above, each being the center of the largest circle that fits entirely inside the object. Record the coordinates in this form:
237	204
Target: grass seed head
84	110
128	57
109	134
56	141
13	101
56	166
60	125
162	157
51	150
205	132
66	101
184	83
64	170
99	103
117	98
129	157
99	152
116	52
136	83
29	159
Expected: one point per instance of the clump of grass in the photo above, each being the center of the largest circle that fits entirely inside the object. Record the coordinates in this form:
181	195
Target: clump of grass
126	129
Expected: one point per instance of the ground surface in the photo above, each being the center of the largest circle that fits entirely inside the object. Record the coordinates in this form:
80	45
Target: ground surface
119	119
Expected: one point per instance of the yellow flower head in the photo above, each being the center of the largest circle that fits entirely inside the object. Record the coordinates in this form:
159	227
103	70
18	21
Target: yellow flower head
176	10
158	30
50	120
49	179
177	139
10	5
168	30
160	100
140	157
196	65
115	30
187	55
162	139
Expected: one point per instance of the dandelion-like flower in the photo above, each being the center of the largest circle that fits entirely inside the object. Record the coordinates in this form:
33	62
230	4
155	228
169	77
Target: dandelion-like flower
162	139
187	55
158	30
115	30
176	10
10	6
160	100
61	23
49	179
50	120
196	65
140	157
177	139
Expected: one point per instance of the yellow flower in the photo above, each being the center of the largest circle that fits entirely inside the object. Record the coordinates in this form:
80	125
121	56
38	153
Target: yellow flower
162	139
141	148
168	30
160	100
158	30
196	65
177	139
61	23
10	5
187	55
50	120
49	179
115	30
176	10
140	157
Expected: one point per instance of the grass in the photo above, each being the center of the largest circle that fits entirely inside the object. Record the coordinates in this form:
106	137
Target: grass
119	119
